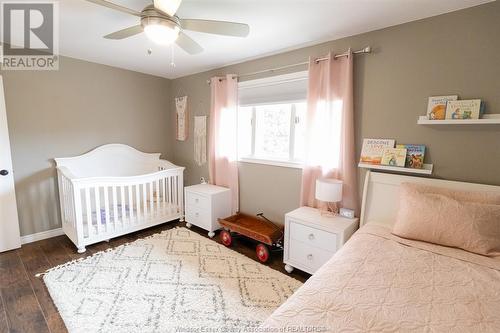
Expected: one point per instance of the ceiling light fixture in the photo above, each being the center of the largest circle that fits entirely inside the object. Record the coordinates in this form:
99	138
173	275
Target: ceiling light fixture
160	30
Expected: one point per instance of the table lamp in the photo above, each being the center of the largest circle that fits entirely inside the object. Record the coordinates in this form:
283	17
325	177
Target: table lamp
329	191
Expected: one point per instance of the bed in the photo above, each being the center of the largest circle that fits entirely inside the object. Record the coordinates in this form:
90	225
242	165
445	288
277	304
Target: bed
114	190
382	283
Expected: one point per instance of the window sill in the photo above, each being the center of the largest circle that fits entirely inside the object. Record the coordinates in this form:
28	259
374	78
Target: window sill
284	164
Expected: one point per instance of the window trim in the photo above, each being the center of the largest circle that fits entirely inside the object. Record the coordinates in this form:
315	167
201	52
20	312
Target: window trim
277	163
291	162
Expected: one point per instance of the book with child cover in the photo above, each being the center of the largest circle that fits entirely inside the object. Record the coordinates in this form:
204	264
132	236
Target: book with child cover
394	157
373	150
436	108
414	155
465	109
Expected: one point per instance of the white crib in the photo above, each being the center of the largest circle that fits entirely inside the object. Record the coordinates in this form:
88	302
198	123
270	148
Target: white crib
114	190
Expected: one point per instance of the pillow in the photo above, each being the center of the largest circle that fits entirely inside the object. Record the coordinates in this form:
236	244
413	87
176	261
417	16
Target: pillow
460	195
461	219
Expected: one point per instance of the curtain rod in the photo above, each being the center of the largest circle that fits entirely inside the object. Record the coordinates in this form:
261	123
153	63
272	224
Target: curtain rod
364	50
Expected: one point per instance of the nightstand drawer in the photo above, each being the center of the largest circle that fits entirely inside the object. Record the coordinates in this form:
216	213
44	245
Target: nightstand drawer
308	256
197	216
196	200
313	237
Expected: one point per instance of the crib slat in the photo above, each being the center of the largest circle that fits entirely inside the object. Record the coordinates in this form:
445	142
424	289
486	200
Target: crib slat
151	199
88	210
138	203
98	209
107	221
130	204
177	201
164	183
144	200
174	193
157	196
115	207
169	190
123	204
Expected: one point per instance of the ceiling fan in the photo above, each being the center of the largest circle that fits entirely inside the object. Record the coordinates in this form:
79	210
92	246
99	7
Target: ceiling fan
160	24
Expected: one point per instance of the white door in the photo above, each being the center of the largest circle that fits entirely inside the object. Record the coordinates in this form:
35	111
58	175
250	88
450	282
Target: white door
9	222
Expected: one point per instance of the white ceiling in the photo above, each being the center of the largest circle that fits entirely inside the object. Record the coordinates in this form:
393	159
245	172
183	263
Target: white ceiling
275	25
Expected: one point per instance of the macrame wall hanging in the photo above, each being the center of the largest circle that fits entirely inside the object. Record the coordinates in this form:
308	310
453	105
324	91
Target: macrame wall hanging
200	140
182	118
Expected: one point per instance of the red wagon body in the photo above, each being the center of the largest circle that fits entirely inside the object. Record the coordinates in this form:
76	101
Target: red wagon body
259	229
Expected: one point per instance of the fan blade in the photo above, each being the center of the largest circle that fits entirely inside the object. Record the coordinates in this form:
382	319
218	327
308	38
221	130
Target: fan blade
167	6
115	7
216	27
187	44
125	33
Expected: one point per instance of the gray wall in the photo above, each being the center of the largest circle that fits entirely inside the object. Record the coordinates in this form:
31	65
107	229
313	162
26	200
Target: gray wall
69	112
455	53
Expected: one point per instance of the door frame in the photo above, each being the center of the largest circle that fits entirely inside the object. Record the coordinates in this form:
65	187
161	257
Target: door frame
10	237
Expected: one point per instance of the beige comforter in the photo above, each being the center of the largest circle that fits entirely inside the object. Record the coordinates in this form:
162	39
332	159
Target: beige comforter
381	283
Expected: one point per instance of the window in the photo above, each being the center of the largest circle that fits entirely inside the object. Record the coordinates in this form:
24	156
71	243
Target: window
272	132
271	119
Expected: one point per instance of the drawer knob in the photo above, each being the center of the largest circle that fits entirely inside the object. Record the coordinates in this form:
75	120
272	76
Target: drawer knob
309	256
311	236
197	214
196	200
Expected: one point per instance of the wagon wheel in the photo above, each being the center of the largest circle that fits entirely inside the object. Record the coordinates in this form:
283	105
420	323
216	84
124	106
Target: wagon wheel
226	238
262	252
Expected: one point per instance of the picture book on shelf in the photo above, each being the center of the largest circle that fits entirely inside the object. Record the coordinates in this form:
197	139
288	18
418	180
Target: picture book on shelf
436	109
465	109
394	157
414	155
373	149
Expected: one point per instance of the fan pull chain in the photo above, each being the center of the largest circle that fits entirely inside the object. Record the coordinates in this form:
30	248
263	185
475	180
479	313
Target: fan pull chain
172	61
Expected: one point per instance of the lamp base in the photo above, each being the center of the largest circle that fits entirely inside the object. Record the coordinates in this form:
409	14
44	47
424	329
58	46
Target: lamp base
329	209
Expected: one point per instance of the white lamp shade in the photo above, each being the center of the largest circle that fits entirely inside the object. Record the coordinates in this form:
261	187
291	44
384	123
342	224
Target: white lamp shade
329	190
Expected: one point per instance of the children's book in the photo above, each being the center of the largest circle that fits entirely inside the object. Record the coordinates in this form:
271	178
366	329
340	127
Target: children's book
414	155
373	149
394	157
436	109
464	109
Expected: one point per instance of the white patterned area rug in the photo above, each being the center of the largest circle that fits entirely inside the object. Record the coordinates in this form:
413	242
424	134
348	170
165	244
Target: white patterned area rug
175	281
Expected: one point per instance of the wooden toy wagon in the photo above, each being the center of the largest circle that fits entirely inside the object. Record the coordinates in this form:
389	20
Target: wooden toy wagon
268	235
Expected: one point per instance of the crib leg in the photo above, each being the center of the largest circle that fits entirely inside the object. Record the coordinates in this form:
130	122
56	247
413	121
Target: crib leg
107	240
188	225
81	249
211	234
181	219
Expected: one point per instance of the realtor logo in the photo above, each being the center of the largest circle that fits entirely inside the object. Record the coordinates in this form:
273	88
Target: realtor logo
30	35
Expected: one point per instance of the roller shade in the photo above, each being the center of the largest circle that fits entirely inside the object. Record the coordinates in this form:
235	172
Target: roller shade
282	88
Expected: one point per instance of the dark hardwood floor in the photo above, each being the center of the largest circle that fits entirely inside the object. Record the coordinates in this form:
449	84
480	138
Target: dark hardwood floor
25	303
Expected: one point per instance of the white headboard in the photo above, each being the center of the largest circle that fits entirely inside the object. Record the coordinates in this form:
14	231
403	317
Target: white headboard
381	194
114	159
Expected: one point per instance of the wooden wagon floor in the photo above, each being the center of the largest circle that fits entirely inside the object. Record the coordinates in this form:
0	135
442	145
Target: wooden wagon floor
25	304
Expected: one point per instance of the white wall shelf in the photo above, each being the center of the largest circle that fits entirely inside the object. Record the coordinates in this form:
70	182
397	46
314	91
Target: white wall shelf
426	170
488	119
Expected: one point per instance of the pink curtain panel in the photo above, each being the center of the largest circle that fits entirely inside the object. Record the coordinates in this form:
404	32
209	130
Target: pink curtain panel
222	144
330	150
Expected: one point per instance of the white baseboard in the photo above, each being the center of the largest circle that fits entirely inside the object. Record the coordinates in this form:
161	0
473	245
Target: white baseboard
41	235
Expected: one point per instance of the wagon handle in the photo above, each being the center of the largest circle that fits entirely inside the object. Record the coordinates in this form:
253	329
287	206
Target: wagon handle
261	215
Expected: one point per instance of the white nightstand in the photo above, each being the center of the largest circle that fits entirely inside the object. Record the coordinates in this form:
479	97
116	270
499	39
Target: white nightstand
312	239
204	204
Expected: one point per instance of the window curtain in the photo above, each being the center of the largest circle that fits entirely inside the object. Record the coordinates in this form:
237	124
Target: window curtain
222	150
330	150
